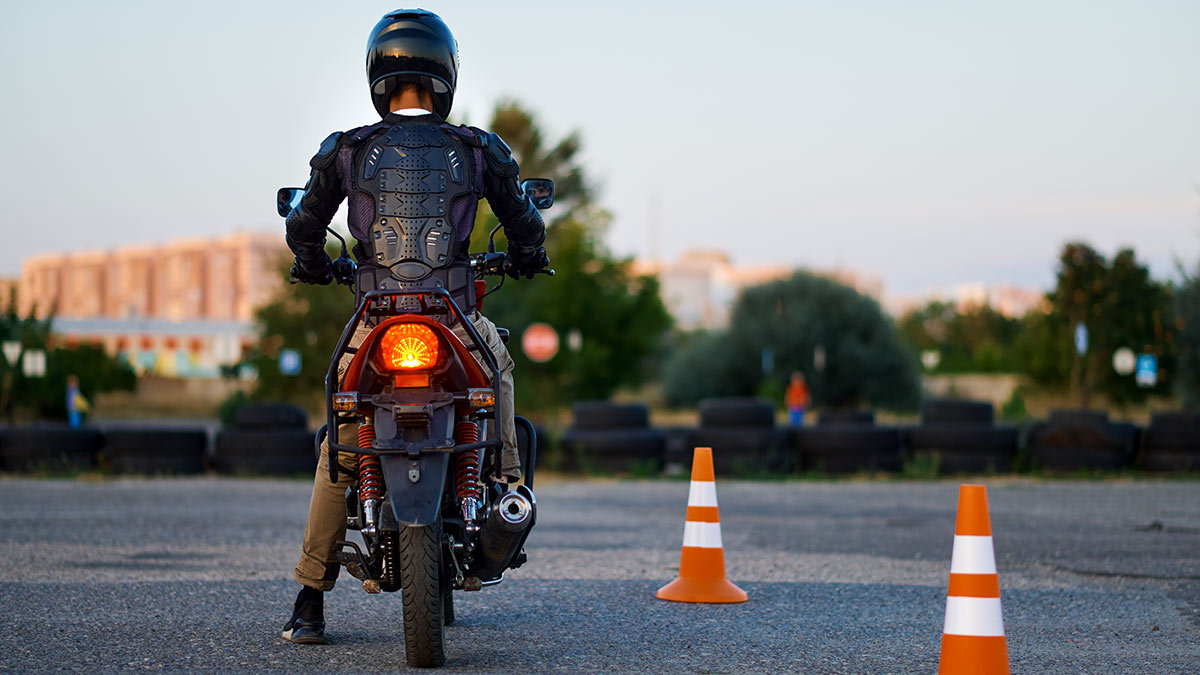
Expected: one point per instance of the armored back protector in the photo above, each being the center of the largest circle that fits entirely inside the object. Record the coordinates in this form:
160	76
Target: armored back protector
414	172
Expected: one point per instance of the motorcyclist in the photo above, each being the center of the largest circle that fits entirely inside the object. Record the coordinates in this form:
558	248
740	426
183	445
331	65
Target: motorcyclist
412	182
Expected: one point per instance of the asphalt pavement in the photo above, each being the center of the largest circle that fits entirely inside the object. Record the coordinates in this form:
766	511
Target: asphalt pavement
843	577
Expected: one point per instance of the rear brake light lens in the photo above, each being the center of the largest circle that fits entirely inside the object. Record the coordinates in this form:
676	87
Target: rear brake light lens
408	347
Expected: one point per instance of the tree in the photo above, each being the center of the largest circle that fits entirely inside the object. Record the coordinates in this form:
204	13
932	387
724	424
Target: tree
1121	306
1187	322
865	359
308	319
977	340
46	396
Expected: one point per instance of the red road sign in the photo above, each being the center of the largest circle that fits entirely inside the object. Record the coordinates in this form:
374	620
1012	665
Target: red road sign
539	342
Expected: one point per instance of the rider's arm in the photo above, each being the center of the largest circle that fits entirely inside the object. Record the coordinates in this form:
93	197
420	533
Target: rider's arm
523	224
322	196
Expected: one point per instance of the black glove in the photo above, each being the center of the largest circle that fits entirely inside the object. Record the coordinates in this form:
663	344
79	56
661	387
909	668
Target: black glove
526	262
319	273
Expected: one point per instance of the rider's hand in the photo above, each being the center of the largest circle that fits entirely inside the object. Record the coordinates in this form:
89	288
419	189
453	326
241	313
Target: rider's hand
526	262
319	273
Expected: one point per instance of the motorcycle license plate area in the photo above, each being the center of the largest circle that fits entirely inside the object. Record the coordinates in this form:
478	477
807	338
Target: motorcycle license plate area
414	489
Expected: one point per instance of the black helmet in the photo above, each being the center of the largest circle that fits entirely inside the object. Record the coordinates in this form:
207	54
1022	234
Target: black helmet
412	45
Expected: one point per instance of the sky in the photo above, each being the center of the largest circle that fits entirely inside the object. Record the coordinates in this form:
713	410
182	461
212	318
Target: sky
929	143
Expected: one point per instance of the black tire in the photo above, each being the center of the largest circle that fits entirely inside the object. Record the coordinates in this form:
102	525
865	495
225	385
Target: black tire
1171	443
1080	418
448	607
48	448
848	449
155	451
270	416
740	451
965	448
736	412
1074	442
281	452
421	590
1175	421
447	580
957	411
846	416
678	449
601	415
616	451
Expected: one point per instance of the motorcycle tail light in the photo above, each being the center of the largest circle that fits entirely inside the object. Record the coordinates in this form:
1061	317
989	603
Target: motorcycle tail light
408	347
346	401
408	380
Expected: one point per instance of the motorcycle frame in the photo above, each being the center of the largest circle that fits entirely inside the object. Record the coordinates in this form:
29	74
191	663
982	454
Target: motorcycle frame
412	450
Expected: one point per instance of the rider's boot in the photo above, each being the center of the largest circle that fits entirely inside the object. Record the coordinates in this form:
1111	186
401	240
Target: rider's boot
307	625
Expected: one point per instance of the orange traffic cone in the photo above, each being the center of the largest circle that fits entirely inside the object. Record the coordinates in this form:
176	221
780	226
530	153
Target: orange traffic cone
702	563
973	635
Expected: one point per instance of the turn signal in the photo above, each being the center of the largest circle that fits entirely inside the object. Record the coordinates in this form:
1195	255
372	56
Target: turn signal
409	347
346	401
481	398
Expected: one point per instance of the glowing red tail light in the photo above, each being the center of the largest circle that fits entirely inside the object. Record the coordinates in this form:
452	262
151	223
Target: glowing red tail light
407	347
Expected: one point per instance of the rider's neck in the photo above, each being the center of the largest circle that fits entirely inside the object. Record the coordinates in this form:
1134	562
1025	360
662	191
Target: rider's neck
410	99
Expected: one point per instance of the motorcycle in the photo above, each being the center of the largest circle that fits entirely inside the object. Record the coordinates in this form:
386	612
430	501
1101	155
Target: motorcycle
432	517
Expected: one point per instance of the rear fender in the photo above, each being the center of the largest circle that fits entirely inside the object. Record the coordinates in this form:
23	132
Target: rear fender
414	488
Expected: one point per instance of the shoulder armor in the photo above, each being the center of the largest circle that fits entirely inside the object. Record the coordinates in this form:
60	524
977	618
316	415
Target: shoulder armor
327	152
499	155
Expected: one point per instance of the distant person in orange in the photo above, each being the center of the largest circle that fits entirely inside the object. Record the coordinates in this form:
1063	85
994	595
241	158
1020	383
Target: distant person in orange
797	398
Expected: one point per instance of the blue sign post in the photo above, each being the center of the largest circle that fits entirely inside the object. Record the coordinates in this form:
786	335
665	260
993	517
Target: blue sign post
1147	370
289	362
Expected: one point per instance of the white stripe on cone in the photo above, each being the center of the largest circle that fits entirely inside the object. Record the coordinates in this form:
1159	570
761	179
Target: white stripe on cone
702	535
972	555
702	493
974	617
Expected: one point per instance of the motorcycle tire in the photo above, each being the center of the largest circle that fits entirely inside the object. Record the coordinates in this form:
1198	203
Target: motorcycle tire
447	584
421	591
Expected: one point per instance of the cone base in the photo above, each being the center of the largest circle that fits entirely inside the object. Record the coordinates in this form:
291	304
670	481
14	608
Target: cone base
973	655
709	591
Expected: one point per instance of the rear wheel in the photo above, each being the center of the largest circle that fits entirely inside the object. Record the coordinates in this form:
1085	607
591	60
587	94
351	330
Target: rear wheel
447	584
421	589
448	606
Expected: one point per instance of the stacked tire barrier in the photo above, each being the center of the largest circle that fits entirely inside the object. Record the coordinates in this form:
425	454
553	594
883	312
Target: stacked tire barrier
960	436
155	451
1081	439
743	433
1171	443
611	437
847	441
49	448
266	439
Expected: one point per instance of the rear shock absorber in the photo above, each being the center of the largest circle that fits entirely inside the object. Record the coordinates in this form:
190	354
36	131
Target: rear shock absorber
468	488
370	480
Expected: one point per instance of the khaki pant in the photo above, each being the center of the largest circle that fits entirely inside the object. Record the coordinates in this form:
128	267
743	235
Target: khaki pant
318	566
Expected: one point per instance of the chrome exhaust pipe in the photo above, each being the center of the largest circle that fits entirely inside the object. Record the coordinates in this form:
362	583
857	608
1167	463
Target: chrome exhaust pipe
503	532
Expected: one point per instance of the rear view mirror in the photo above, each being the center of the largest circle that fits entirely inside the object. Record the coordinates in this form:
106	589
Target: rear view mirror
287	199
540	191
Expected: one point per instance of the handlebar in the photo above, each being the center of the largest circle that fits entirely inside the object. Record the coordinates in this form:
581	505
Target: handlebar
496	264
